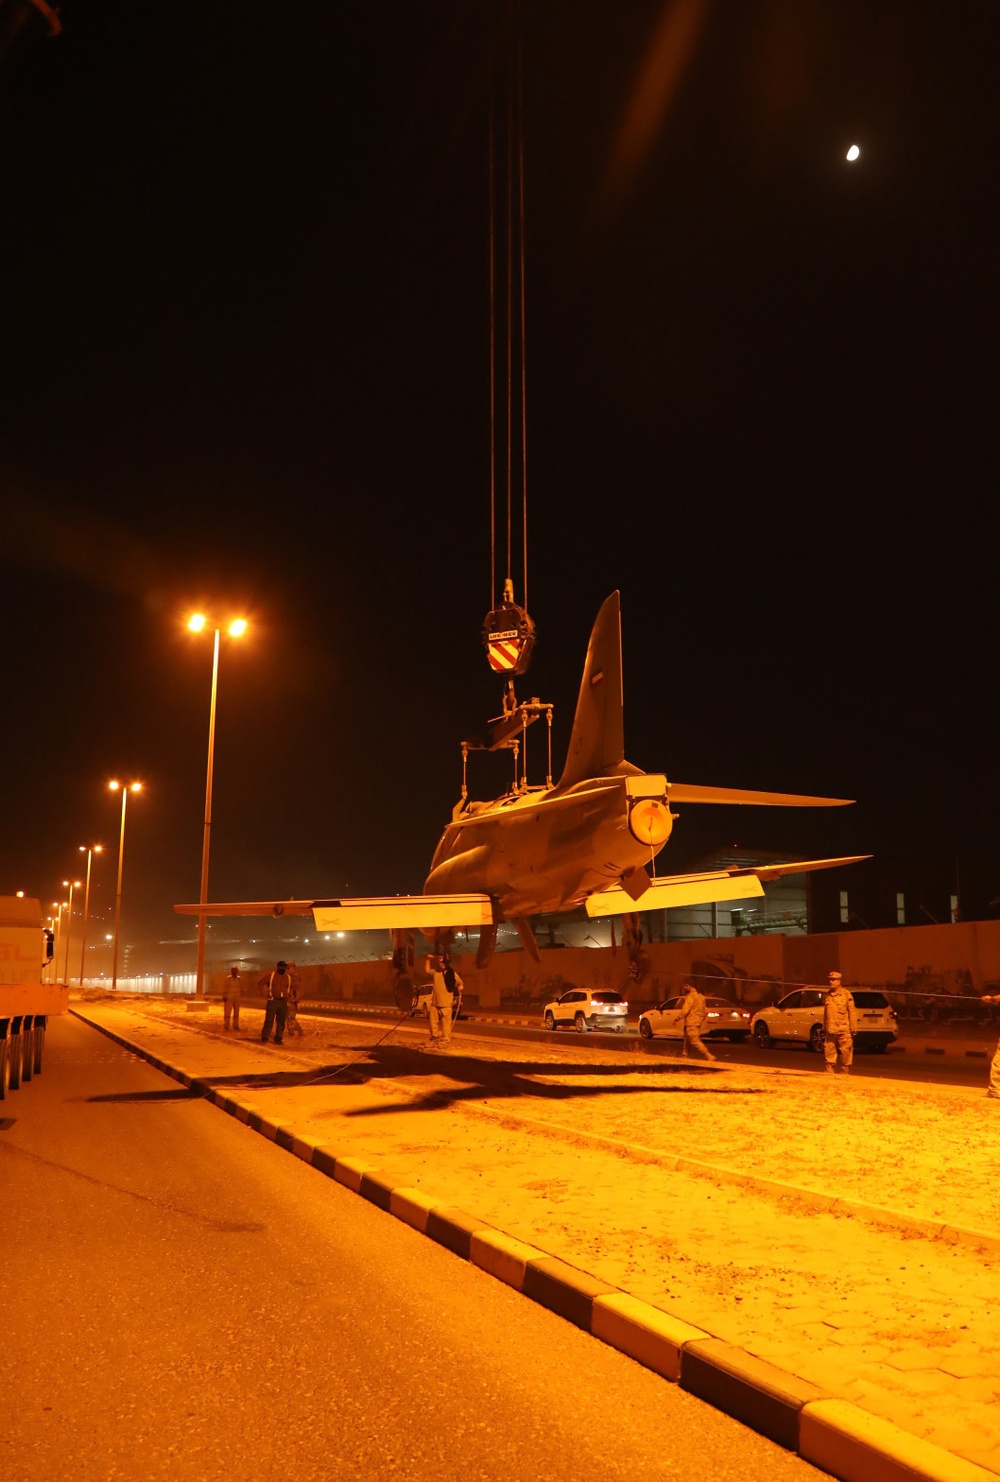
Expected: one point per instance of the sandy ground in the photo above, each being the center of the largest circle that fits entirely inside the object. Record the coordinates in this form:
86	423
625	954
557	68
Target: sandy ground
895	1321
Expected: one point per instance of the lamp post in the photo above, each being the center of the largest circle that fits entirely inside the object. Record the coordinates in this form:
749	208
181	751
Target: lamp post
56	943
73	885
197	623
125	788
94	849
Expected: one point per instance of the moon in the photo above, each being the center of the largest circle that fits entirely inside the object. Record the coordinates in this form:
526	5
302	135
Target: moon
853	153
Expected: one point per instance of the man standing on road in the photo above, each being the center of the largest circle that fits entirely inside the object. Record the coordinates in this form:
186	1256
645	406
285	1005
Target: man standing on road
232	993
276	988
993	1089
292	1025
839	1025
439	1007
693	1015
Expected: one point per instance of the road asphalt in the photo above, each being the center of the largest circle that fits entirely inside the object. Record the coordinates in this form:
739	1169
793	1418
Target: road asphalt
183	1299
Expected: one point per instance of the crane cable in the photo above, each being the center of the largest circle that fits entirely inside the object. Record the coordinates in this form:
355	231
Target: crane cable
514	253
524	353
493	335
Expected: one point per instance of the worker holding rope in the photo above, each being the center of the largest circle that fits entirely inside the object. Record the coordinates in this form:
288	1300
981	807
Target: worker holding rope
446	986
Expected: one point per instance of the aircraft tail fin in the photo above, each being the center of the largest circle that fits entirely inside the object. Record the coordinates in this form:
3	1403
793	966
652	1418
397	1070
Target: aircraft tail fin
597	742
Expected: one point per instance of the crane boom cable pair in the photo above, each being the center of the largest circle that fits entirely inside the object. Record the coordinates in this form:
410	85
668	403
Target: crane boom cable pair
514	308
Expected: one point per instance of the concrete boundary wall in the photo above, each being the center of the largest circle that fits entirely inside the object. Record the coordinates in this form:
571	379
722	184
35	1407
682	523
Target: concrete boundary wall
959	958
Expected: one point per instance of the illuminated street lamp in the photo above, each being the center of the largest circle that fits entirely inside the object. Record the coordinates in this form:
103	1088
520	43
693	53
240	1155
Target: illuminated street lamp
125	788
56	943
197	623
94	849
73	885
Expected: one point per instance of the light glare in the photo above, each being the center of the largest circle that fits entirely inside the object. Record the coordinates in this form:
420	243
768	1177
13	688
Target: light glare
196	622
853	153
237	628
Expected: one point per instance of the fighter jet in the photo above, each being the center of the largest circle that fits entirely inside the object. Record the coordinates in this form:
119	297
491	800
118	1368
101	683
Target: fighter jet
586	839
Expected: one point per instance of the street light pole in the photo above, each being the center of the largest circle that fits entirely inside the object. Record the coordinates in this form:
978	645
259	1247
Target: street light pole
125	790
73	884
94	849
236	630
206	838
56	940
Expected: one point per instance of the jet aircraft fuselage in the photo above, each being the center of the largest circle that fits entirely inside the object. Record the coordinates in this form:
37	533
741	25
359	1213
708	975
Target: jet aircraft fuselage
547	849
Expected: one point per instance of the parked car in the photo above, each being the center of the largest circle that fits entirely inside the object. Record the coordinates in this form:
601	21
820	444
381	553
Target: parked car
587	1008
725	1021
798	1018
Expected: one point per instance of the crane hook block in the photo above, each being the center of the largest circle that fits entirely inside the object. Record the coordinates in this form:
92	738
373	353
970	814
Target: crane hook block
508	637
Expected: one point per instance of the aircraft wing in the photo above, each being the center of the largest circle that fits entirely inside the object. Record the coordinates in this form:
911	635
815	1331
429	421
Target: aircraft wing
739	883
365	913
687	792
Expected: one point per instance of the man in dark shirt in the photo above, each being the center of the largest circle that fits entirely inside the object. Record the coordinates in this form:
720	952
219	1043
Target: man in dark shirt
277	989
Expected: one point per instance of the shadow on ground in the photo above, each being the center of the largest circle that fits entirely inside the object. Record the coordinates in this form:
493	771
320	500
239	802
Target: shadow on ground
477	1079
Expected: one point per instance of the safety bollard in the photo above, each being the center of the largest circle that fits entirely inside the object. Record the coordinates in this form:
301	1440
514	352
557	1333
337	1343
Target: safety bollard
14	1079
27	1046
3	1057
40	1022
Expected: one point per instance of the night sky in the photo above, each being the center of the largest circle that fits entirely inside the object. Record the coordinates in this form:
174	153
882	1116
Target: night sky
244	316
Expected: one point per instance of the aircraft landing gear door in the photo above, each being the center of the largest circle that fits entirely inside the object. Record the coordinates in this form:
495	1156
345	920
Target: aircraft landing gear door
649	817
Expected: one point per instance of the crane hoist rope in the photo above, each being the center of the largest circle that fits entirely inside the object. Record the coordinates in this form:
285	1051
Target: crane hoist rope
508	631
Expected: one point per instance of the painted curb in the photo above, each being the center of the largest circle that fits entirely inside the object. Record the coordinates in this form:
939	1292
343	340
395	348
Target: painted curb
838	1437
760	1394
832	1434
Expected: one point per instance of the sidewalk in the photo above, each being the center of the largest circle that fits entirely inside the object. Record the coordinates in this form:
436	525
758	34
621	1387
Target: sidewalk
577	1152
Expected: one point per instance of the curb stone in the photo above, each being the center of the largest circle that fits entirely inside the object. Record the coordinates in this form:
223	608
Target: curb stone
832	1434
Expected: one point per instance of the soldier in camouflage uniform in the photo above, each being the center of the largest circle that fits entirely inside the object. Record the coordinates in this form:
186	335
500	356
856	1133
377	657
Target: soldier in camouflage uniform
839	1025
693	1015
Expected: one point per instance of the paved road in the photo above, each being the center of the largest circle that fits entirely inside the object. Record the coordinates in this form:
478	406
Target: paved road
183	1299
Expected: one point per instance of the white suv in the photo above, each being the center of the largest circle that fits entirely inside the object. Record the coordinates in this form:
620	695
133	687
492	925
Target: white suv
587	1008
799	1018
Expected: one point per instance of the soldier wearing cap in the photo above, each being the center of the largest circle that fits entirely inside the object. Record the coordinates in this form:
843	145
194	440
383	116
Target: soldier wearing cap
839	1025
232	994
693	1013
